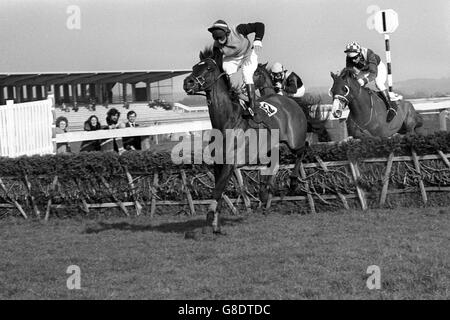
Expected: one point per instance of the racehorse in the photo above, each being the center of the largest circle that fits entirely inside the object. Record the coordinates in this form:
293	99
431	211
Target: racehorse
226	113
261	78
367	115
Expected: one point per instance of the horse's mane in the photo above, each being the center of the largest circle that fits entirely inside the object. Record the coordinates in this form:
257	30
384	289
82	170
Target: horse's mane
347	73
210	53
262	67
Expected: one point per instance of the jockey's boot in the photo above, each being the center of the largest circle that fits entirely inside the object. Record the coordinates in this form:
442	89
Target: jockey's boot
392	111
251	98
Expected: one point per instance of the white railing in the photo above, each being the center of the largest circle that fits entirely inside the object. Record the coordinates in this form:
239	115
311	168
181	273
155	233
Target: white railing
190	126
179	106
27	128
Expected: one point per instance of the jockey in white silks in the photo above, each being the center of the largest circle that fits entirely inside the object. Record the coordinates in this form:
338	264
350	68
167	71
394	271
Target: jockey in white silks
238	51
286	81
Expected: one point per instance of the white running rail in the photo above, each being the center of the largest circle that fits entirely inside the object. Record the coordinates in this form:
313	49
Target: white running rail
27	128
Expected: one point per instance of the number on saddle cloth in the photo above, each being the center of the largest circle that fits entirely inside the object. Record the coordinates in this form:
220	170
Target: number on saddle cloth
269	109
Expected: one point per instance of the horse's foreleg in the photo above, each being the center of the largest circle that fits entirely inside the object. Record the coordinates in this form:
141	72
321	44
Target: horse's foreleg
212	217
266	189
296	171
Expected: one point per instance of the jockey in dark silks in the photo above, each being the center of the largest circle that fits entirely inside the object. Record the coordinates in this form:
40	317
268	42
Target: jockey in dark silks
286	81
238	51
370	68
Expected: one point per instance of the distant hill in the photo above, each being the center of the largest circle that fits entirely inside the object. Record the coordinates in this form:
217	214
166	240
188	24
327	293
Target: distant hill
413	88
424	88
410	89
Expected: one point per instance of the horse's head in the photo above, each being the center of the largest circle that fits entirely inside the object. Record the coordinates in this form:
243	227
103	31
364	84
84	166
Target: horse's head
342	90
204	74
261	76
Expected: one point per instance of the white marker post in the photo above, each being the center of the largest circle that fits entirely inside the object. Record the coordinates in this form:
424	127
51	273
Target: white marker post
386	22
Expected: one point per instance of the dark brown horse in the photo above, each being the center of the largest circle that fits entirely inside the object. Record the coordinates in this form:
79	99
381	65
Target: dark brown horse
226	113
367	115
261	78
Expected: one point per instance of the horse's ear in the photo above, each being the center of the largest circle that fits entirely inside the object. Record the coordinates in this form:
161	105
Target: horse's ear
265	64
201	56
333	75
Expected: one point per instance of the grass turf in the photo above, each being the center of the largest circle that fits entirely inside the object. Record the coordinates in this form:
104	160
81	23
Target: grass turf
278	256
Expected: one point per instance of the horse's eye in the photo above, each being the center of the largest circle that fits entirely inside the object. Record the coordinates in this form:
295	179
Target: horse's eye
209	68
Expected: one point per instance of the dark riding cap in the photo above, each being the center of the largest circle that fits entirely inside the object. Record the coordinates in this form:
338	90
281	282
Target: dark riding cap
219	25
219	29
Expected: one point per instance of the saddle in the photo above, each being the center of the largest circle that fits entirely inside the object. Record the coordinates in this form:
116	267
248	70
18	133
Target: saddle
262	114
392	97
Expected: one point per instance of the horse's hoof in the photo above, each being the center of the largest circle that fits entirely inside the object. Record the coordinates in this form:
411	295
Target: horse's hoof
207	230
194	235
200	235
220	232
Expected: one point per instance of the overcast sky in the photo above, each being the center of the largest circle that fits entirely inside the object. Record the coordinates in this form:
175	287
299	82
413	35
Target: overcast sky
307	36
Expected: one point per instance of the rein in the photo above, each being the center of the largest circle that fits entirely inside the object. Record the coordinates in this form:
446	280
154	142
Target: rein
344	98
200	80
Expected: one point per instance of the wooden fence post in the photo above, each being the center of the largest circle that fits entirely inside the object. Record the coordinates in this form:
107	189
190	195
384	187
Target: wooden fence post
49	202
359	191
243	189
444	158
111	193
31	197
421	184
18	206
187	192
153	195
340	195
308	192
137	205
386	176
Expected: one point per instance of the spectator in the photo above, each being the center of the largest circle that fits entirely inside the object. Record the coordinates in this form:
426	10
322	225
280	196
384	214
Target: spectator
132	143
91	124
112	121
62	125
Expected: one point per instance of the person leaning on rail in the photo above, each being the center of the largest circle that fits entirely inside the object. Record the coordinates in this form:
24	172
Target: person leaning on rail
112	122
62	126
91	124
132	143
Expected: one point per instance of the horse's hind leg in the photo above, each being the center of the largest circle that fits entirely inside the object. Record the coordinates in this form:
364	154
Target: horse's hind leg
413	120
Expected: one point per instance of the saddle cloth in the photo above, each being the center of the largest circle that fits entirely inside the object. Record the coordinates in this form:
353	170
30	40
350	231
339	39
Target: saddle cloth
263	112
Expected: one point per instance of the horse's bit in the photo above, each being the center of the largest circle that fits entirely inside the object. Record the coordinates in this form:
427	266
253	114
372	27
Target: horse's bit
201	80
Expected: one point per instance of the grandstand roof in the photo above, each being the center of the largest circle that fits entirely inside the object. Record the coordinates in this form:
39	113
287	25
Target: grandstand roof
49	78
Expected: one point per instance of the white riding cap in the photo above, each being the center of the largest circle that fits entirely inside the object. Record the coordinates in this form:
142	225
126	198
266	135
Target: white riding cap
277	68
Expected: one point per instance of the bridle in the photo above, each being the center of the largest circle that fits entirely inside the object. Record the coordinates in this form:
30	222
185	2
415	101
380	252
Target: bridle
200	80
340	97
346	101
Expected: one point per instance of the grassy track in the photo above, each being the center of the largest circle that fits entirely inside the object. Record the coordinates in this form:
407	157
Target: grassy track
278	256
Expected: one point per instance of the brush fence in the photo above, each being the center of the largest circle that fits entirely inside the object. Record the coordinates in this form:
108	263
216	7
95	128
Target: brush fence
331	184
